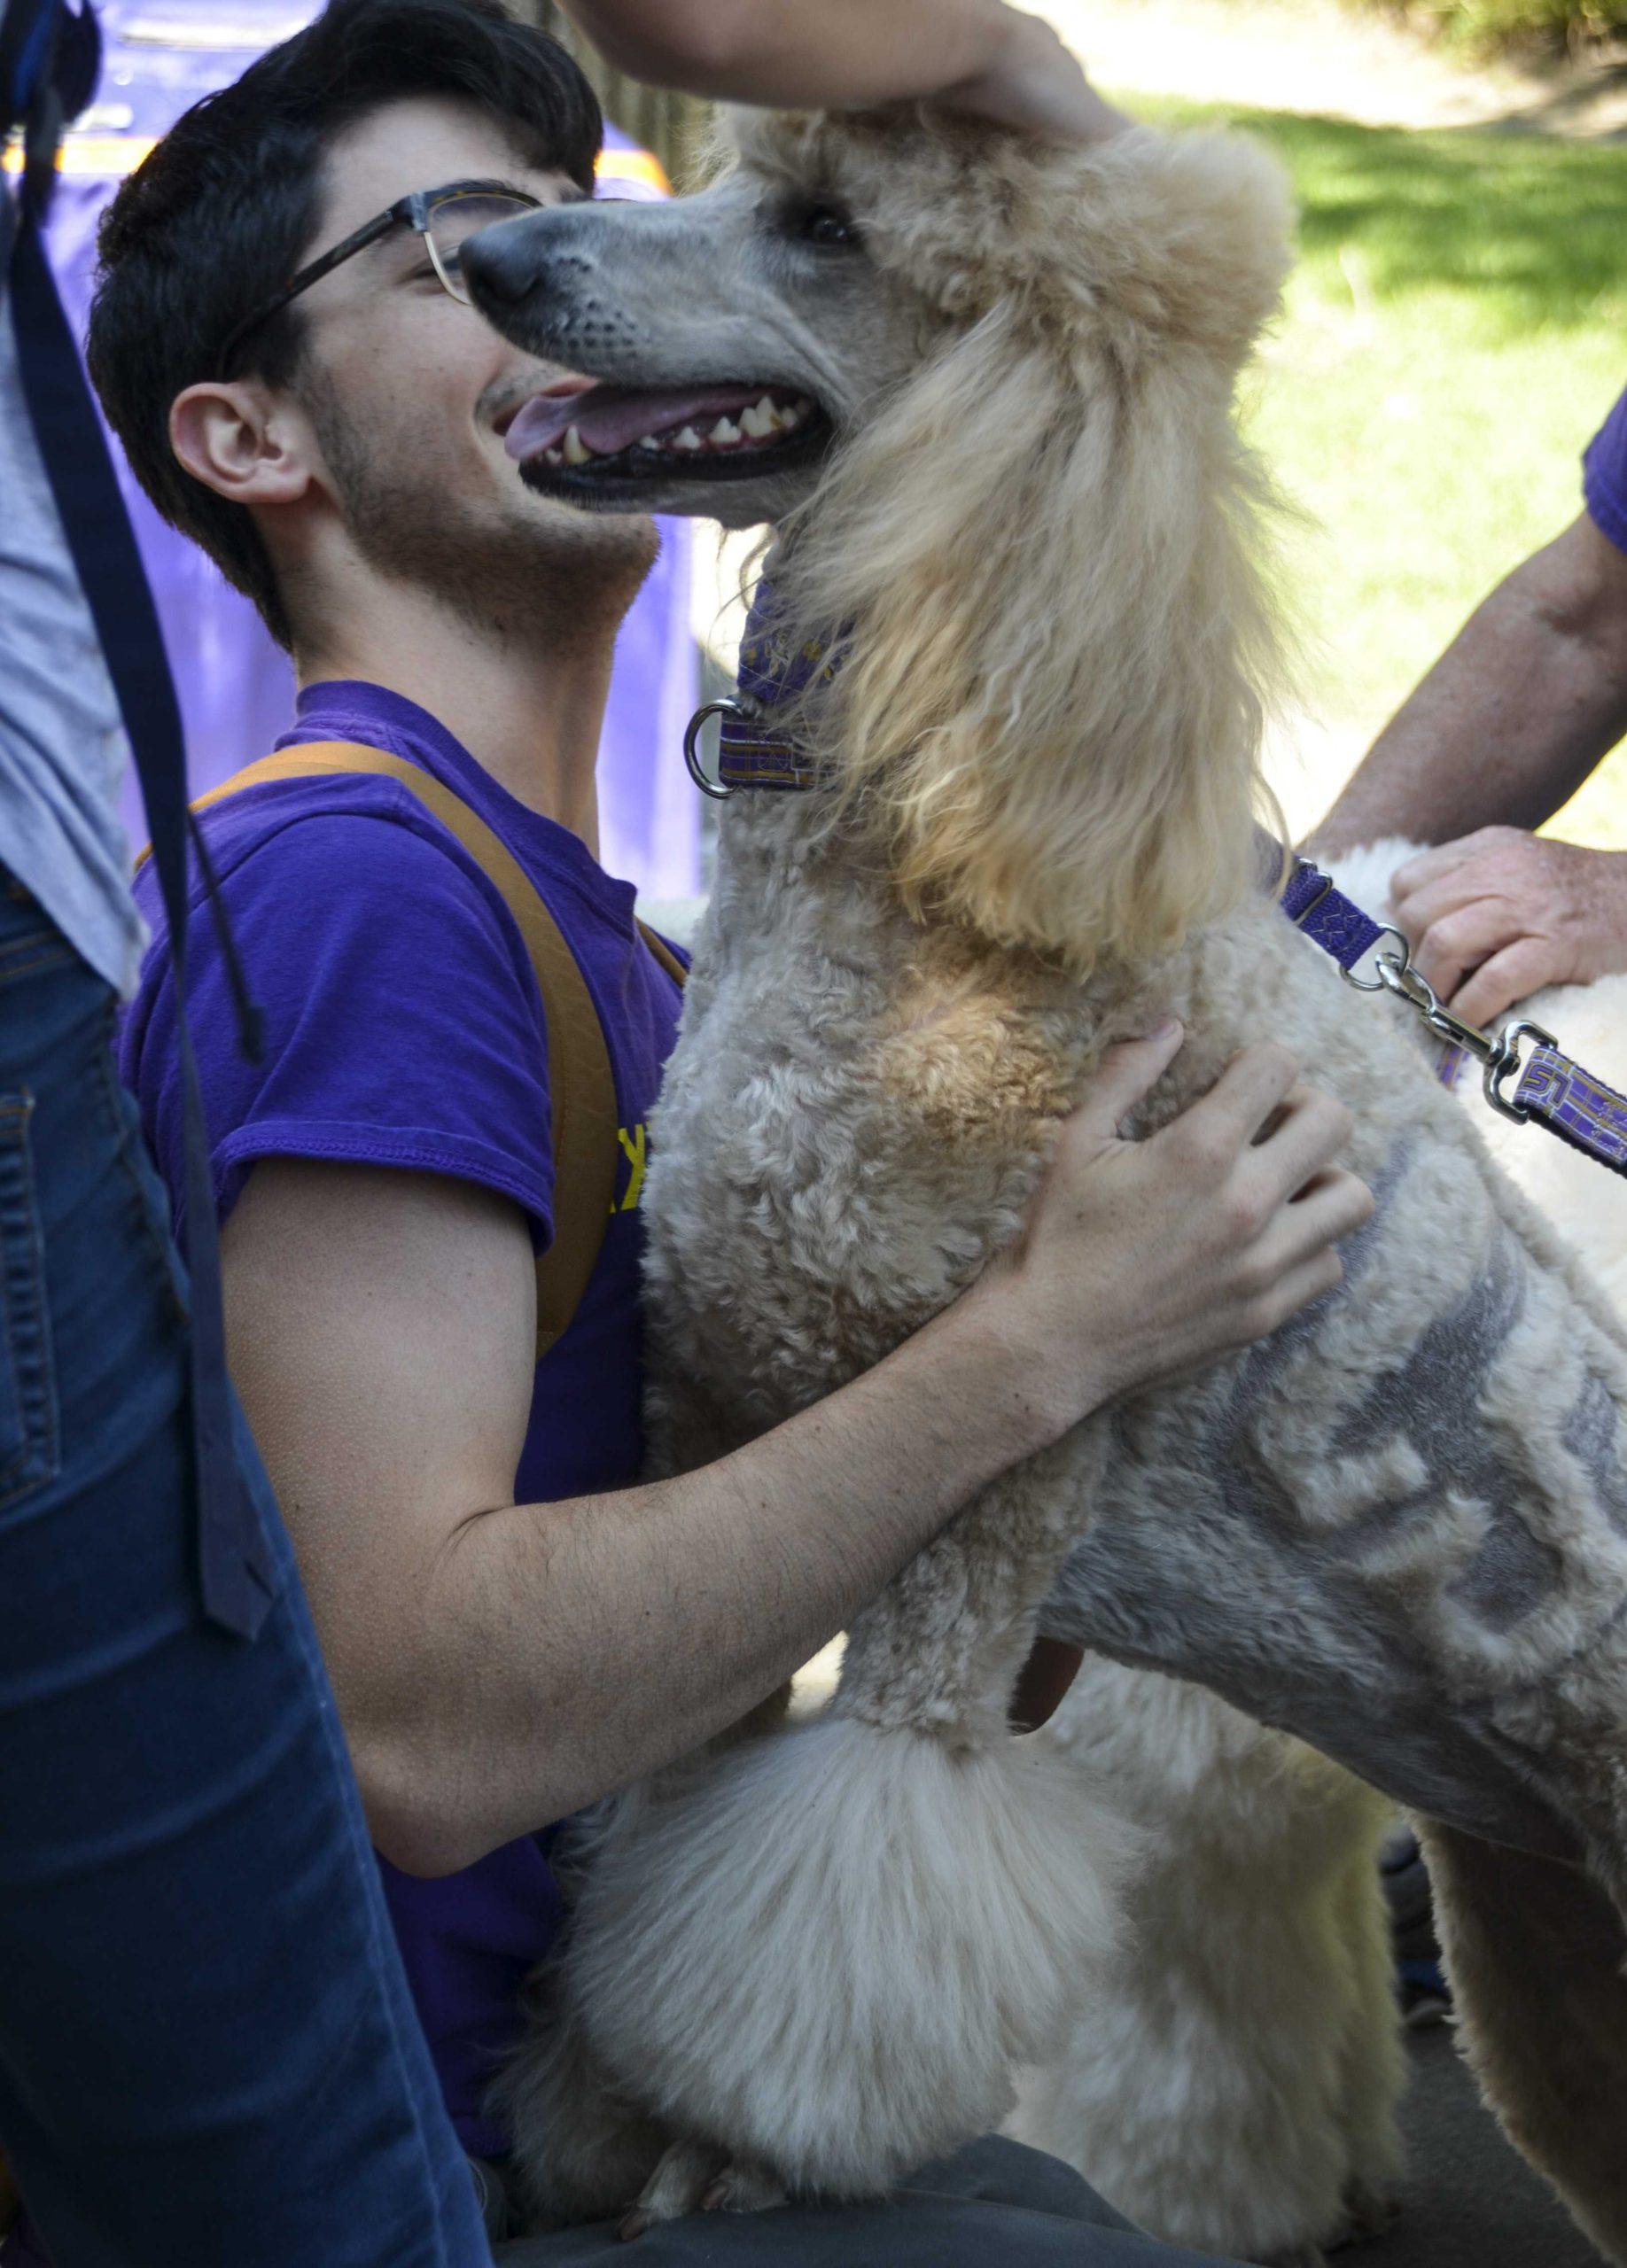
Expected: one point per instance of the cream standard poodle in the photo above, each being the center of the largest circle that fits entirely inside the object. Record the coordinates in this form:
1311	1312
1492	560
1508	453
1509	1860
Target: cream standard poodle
983	391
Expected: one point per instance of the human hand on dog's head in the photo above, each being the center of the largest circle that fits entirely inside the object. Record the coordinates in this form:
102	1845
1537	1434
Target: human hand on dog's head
1034	85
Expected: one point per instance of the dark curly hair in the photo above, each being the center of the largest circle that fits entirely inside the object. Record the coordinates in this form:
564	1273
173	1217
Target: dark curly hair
220	214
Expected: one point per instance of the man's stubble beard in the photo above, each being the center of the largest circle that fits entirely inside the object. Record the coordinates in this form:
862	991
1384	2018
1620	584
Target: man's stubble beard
540	571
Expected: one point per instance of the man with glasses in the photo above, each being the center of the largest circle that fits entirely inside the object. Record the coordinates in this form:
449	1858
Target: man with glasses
513	1624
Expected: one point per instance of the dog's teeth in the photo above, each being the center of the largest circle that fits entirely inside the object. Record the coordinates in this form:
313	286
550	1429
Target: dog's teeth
649	442
576	452
726	430
553	456
759	420
688	440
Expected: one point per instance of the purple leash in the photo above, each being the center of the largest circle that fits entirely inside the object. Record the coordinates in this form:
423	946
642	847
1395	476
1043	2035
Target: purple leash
1550	1091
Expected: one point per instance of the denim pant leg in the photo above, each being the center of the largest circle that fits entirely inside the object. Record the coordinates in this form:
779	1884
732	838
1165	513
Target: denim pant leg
207	2052
994	2204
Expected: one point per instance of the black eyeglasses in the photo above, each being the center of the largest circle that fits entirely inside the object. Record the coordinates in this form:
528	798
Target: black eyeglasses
445	218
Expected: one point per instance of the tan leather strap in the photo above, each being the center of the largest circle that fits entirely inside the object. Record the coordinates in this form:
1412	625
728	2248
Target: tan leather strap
582	1090
665	954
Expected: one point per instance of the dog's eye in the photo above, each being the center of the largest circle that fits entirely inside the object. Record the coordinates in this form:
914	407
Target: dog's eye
823	224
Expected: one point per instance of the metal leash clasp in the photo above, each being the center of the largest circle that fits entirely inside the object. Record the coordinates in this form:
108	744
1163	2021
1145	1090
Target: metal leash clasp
693	730
1498	1053
1499	1073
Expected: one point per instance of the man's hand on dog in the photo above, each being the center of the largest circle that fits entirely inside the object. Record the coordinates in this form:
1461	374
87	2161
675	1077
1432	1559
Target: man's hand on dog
1497	915
1145	1261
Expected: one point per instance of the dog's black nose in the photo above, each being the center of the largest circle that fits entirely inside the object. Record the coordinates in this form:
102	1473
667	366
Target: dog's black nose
502	264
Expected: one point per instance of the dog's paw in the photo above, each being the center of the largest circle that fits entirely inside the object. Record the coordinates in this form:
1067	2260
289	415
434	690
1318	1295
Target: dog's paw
1369	2212
744	2188
698	2177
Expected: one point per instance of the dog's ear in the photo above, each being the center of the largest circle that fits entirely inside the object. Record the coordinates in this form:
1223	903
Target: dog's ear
1043	547
1177	243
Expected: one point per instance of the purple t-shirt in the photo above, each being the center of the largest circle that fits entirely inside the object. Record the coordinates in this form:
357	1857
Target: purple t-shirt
1604	476
403	1028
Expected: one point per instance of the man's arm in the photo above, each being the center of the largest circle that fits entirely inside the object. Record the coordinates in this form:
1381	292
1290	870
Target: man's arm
1521	707
970	54
498	1665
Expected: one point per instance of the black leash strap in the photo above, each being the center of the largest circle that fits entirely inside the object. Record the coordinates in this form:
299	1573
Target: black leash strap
236	1570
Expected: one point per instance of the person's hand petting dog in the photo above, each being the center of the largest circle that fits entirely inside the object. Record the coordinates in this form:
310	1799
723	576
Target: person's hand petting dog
1204	1237
976	57
1497	915
1032	83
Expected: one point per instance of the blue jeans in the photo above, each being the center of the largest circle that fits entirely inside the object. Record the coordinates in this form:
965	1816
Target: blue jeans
209	2055
994	2204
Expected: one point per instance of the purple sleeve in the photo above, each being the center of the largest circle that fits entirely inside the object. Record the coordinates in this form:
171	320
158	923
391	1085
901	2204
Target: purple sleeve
1604	476
402	1025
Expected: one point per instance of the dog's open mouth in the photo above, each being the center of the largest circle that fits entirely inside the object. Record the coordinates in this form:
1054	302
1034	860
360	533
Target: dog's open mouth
611	433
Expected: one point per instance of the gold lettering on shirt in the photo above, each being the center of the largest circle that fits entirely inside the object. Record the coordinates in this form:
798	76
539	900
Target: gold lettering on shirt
633	1149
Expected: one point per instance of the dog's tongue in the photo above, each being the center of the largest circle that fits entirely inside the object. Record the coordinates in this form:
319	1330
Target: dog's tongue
610	418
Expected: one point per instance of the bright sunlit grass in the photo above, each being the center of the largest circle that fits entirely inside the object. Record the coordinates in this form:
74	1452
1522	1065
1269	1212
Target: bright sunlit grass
1456	330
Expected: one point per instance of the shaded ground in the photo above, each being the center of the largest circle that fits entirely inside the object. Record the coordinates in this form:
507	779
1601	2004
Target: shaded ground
1470	2201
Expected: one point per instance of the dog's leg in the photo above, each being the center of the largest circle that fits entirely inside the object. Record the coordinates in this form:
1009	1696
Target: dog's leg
1204	2086
826	1950
583	2151
698	2177
1374	2060
1200	2089
1535	1950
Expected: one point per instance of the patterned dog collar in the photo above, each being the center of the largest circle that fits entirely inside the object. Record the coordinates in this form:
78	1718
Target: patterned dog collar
751	752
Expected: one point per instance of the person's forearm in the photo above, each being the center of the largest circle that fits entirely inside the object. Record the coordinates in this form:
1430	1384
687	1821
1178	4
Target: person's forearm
498	1665
1519	709
661	1614
843	54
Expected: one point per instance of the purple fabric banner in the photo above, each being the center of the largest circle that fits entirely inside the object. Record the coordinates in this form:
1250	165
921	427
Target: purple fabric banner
235	684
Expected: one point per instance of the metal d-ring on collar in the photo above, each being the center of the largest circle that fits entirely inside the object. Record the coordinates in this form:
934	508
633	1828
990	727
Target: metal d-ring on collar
751	754
717	789
1498	1053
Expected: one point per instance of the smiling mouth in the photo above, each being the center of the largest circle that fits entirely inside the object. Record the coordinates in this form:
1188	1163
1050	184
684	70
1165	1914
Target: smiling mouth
612	434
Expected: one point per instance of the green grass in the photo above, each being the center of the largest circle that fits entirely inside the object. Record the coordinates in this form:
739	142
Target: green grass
1491	24
1455	331
1484	27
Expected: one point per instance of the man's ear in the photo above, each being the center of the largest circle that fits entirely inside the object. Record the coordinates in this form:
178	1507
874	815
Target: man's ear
237	440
